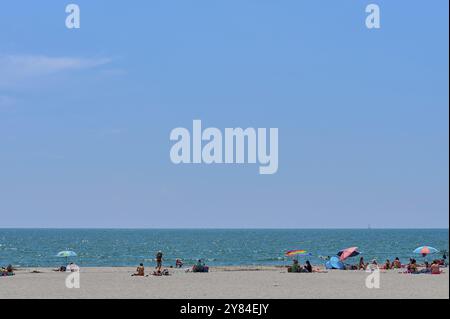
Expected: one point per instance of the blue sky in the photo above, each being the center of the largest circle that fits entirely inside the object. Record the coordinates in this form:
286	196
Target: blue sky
85	115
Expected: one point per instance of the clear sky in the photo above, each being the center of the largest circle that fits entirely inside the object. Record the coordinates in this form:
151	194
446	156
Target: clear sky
85	115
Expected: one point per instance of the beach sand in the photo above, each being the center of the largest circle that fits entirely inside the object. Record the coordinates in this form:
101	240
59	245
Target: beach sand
222	282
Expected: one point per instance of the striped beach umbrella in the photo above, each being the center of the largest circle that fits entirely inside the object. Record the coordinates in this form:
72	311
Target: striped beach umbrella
425	250
297	252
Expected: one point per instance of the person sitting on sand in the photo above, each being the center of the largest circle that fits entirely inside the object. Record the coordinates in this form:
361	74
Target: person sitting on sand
308	267
139	270
412	266
361	265
178	263
396	264
8	271
387	265
435	268
295	266
200	267
72	268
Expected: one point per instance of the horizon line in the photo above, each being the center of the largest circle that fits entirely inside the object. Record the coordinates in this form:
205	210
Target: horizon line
229	228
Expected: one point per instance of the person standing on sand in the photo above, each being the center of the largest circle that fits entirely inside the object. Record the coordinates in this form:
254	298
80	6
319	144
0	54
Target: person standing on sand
159	260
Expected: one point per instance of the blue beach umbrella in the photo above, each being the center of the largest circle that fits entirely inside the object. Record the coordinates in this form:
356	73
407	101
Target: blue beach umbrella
66	254
334	263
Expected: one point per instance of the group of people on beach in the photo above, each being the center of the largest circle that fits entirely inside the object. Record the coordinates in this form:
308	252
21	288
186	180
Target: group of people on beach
411	267
427	268
159	271
72	267
297	267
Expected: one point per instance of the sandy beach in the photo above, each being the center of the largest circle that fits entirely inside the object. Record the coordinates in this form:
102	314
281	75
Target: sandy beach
222	282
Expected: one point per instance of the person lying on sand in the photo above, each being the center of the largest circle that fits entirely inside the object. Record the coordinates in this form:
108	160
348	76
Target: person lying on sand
139	270
158	272
61	268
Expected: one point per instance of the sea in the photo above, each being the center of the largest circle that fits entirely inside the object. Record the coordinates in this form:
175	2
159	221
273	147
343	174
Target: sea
217	247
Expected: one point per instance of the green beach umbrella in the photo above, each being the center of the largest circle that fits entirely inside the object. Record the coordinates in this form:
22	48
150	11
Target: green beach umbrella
66	254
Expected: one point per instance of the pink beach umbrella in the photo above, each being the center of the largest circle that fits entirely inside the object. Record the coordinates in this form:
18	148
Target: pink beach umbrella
425	250
348	252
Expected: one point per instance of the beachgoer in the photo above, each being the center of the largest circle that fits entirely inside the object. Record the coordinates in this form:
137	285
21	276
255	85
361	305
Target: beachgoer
295	266
361	265
9	271
308	266
159	256
387	265
139	270
200	267
178	263
396	264
412	266
435	269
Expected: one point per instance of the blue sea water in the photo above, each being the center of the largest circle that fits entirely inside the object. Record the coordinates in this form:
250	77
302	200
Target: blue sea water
127	247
